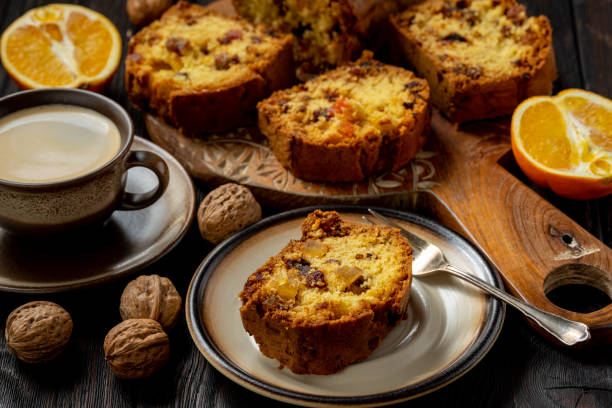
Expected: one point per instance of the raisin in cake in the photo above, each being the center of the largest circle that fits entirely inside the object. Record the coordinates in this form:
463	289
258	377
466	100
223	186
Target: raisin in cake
328	33
357	120
480	57
204	72
329	299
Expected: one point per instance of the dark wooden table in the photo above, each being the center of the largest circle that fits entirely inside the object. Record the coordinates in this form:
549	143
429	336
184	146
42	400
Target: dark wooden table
522	369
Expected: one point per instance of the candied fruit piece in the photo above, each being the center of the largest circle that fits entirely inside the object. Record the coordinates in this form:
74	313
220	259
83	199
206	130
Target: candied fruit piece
349	274
285	286
314	248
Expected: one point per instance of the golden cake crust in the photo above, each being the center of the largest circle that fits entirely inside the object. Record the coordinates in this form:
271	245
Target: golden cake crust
306	311
480	57
203	72
361	119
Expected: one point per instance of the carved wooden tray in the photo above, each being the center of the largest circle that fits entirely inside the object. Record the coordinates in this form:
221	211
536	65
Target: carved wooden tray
243	156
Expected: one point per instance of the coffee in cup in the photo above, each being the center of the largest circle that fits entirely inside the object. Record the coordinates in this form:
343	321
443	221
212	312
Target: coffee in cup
64	156
52	143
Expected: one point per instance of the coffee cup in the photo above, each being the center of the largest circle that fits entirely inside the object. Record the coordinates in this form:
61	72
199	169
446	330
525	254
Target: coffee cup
53	181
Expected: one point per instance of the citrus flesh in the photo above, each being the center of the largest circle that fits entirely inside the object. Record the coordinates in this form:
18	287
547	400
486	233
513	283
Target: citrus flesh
565	143
61	45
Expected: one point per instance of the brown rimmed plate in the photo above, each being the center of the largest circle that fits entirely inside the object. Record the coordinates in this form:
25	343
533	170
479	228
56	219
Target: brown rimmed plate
129	241
450	325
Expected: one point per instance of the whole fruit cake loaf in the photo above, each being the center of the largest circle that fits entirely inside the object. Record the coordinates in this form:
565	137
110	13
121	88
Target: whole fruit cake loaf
204	72
357	120
480	57
328	33
329	299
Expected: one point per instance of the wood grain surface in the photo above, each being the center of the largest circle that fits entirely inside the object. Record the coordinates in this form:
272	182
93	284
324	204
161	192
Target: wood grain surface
535	246
521	370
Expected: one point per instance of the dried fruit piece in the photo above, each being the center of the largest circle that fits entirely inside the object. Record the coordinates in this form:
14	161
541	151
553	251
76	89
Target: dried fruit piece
285	286
230	36
302	265
316	279
314	248
177	45
349	274
223	60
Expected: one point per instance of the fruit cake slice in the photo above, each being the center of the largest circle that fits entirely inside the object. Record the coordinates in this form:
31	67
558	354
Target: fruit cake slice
480	57
329	299
328	32
204	72
360	119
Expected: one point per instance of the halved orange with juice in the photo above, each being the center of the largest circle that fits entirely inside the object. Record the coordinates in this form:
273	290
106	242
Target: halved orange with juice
61	45
564	142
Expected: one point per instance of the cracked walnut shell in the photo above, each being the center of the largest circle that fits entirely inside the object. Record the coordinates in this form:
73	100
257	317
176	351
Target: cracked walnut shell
136	348
227	210
151	297
38	331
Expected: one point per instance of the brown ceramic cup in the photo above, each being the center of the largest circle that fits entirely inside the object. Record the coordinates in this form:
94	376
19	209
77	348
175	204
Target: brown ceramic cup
86	200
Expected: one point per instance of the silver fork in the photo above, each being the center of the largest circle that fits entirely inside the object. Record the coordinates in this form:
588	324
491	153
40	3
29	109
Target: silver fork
428	259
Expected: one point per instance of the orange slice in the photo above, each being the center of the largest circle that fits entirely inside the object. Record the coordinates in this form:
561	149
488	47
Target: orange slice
61	45
564	143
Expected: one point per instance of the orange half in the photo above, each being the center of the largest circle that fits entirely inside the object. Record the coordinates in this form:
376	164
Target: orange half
565	143
61	45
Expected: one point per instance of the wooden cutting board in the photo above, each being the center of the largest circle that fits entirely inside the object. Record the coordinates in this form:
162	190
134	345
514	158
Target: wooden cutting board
457	178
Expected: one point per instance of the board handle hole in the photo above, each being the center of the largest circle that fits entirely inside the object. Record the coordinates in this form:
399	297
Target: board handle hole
578	287
567	238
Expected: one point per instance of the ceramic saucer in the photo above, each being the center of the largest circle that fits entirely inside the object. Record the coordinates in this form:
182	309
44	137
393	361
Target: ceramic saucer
129	241
450	324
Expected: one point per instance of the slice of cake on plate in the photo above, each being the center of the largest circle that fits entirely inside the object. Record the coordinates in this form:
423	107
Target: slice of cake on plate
361	119
480	57
329	299
203	72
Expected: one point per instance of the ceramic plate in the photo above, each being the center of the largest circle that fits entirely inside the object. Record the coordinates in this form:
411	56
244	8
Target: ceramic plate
129	241
450	324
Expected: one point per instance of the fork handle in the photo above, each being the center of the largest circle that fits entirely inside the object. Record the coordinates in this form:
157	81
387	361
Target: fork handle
567	331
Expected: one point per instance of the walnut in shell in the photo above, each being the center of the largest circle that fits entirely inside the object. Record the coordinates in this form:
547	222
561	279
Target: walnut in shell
227	210
151	297
38	331
142	12
136	348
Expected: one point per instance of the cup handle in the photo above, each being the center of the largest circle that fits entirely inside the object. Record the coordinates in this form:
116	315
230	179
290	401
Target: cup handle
141	158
